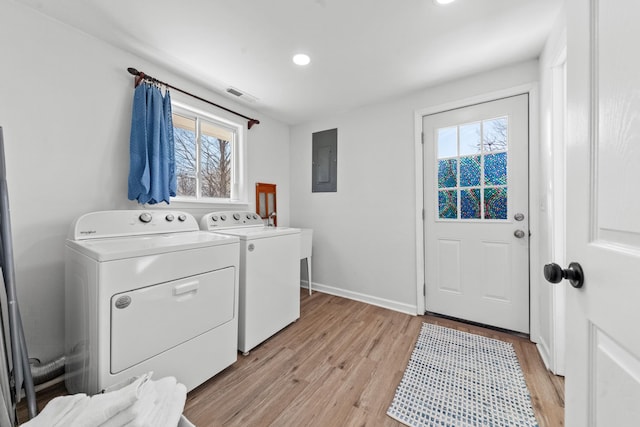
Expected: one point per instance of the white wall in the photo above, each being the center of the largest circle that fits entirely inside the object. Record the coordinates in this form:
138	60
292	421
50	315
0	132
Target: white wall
65	106
551	329
365	234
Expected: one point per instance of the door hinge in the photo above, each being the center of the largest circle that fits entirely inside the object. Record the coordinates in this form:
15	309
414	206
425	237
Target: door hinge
424	289
423	214
422	137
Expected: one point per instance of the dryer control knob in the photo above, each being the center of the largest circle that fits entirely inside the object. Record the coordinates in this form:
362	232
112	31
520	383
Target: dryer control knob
145	217
236	216
182	217
214	218
169	217
223	217
248	216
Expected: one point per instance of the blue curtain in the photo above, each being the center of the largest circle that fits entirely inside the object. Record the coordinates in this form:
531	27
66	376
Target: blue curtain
152	177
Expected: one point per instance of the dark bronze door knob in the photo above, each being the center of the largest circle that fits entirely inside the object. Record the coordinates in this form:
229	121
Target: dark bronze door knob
554	274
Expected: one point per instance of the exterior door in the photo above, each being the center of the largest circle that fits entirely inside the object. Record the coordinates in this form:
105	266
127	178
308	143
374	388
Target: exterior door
476	213
603	214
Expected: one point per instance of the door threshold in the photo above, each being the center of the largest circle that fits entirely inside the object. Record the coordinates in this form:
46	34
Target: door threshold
481	325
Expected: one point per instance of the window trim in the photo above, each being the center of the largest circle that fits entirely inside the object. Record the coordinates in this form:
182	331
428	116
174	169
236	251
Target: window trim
239	180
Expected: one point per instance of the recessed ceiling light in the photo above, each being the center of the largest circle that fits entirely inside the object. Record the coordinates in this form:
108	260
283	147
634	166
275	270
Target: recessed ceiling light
301	59
443	1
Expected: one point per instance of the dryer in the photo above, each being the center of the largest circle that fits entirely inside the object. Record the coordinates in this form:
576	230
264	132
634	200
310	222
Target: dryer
269	274
148	291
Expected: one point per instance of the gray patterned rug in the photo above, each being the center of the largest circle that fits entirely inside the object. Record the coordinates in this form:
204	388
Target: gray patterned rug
457	379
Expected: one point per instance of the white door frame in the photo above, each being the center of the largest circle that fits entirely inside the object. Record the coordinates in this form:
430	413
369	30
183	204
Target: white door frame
534	161
558	225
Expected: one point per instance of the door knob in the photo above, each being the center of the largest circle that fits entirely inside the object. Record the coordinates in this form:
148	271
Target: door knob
519	234
554	274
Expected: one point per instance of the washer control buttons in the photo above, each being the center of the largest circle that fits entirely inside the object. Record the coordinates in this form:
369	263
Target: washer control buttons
255	216
223	217
236	216
214	218
145	217
182	217
170	217
248	216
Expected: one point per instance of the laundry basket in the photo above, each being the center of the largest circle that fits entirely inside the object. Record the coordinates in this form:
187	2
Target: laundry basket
184	422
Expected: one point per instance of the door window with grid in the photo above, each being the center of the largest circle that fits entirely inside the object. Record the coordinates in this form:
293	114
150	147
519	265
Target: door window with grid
472	170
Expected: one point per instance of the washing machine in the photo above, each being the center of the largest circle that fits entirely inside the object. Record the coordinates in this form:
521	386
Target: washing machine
269	274
148	291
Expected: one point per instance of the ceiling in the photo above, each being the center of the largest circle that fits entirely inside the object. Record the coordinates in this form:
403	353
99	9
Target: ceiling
362	51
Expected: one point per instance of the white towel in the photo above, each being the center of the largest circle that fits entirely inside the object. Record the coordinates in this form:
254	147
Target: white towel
135	415
169	404
56	410
103	407
135	403
80	410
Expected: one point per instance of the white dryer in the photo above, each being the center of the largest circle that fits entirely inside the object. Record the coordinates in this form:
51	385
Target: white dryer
148	291
269	274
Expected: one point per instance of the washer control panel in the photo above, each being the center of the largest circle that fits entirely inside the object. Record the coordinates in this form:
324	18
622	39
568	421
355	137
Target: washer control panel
230	219
97	225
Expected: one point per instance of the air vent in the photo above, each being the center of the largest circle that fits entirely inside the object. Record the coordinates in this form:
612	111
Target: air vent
235	92
242	95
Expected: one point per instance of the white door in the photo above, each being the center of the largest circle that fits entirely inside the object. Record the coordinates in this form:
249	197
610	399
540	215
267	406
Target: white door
476	213
603	213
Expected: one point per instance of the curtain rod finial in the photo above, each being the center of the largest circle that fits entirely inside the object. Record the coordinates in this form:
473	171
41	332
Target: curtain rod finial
133	71
253	122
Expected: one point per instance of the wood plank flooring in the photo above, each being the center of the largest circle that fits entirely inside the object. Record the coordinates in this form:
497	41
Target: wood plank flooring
339	365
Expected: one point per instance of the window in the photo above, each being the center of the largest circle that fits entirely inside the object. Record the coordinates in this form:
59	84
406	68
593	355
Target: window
472	170
207	157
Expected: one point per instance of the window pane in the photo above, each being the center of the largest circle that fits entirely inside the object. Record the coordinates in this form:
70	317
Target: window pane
447	173
447	142
447	204
263	205
271	203
495	203
215	166
495	132
495	169
470	139
470	203
469	171
184	133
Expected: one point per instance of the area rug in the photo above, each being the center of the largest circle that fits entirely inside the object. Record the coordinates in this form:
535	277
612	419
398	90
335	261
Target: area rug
458	379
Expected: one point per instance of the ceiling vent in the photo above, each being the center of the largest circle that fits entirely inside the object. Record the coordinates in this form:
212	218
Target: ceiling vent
242	95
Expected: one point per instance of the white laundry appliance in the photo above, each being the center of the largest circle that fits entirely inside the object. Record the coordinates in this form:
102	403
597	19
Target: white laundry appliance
148	291
269	274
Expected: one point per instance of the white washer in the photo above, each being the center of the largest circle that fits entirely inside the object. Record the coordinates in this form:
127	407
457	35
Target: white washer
269	274
148	291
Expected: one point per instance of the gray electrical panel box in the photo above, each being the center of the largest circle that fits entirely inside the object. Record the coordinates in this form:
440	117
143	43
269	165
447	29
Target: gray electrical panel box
325	161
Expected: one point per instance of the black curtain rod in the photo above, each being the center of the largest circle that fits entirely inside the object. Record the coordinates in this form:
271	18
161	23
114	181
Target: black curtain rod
140	76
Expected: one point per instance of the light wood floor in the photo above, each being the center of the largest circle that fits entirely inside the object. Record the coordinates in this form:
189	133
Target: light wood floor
339	365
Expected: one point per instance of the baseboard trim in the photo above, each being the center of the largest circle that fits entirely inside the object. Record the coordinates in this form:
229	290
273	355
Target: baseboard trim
356	296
